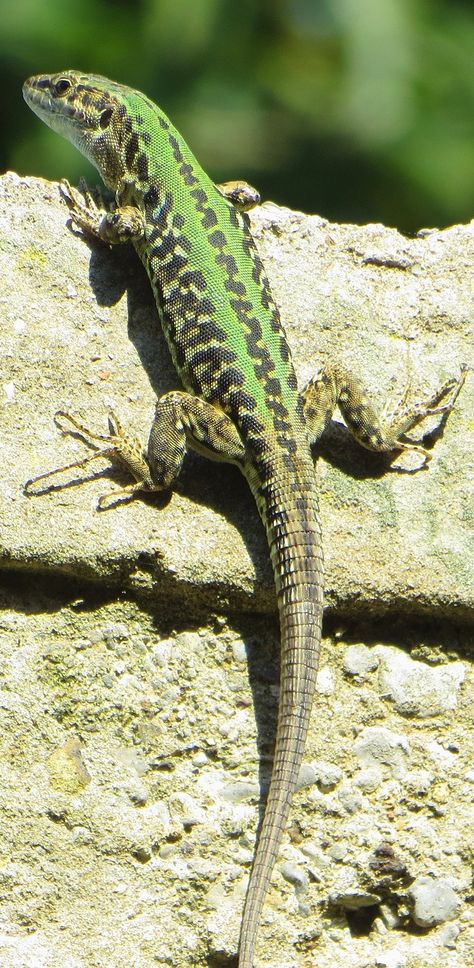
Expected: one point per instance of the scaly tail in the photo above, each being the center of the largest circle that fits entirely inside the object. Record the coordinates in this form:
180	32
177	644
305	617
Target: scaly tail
295	544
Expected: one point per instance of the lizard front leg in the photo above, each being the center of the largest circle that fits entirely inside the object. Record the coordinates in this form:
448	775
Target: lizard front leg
240	193
108	222
180	420
337	386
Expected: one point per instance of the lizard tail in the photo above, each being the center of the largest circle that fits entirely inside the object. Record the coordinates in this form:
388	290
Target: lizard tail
296	550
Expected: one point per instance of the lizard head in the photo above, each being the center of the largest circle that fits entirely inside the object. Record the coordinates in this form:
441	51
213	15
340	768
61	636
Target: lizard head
91	112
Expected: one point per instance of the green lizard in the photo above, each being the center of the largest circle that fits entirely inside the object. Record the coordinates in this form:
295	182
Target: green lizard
241	401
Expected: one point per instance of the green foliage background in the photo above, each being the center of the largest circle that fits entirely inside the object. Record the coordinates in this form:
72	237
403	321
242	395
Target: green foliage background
357	109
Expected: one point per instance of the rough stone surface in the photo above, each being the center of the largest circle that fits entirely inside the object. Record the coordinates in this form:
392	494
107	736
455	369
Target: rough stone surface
138	696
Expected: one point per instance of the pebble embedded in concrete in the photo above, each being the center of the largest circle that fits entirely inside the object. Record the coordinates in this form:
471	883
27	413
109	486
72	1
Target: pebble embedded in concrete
434	901
415	688
378	745
359	661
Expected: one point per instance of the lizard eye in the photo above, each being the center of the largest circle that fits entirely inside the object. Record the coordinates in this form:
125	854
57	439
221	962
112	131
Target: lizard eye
105	117
62	86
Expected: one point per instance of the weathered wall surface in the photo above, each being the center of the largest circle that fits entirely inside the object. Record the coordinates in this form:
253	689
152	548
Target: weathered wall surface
140	646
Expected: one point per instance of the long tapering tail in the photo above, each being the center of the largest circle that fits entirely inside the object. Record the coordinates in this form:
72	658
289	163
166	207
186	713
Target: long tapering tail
294	537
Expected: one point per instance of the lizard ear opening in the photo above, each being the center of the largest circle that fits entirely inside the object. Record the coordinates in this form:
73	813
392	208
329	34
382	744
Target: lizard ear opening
105	118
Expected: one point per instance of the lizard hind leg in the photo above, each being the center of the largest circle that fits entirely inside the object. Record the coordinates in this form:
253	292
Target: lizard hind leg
180	419
380	433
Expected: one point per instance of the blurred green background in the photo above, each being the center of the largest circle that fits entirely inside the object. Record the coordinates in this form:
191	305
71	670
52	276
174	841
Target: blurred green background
360	110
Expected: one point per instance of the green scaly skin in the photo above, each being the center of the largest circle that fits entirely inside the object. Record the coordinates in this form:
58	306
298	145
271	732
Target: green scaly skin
229	348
